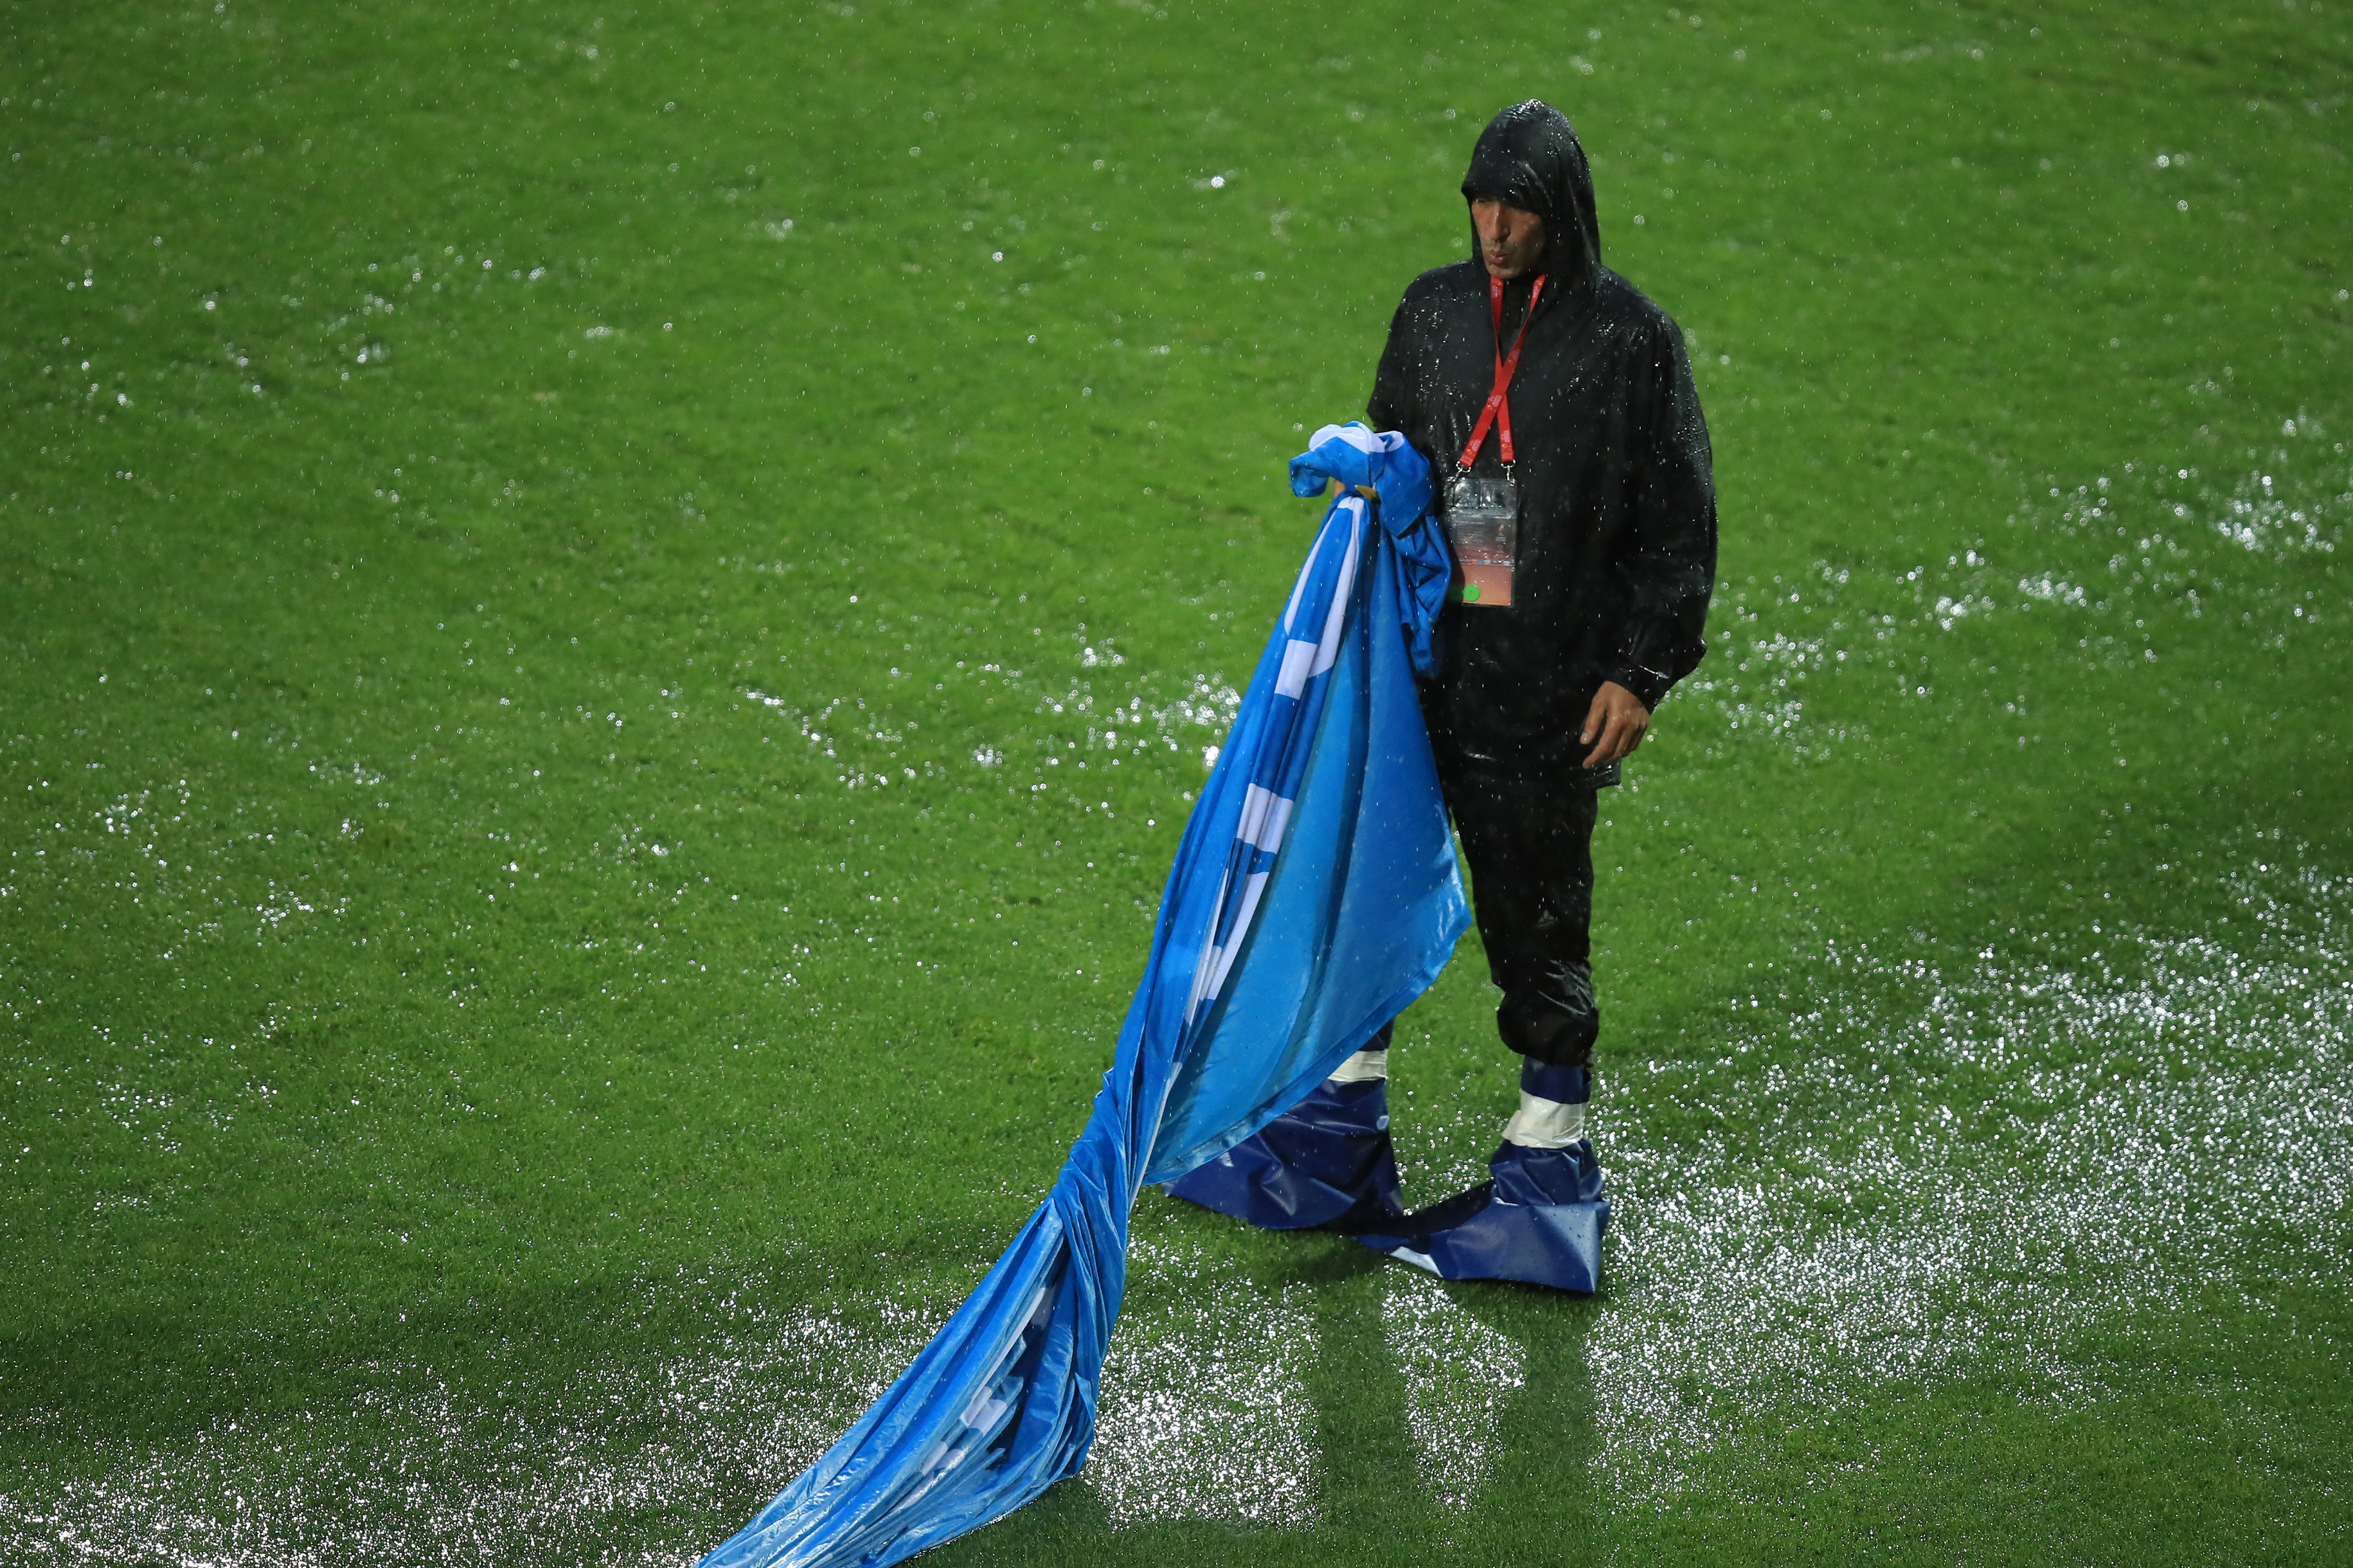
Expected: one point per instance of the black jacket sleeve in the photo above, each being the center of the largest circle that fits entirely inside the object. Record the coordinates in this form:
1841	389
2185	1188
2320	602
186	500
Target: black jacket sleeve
1668	564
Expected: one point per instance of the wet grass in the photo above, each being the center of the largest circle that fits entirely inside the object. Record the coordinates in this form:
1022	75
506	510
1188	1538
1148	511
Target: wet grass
597	693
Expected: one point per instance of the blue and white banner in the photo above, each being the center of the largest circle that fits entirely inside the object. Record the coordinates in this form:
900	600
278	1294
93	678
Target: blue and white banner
1314	896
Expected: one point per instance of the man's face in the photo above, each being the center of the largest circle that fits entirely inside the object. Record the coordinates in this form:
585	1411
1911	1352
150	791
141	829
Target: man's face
1510	239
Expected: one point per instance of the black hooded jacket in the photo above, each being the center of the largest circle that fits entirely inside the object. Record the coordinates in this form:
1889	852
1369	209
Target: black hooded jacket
1617	540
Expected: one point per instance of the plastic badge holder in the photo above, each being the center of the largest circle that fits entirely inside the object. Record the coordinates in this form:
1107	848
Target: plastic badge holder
1482	523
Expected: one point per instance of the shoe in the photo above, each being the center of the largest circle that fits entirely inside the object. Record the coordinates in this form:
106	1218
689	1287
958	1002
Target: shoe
1538	1220
1325	1162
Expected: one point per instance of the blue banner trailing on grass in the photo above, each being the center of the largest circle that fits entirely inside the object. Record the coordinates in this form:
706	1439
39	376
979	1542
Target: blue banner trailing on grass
1314	894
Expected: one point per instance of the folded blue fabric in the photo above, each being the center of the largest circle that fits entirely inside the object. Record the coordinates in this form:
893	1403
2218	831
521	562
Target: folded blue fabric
1362	459
1315	894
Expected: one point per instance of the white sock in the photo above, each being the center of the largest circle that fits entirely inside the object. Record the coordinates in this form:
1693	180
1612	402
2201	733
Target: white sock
1361	1066
1541	1123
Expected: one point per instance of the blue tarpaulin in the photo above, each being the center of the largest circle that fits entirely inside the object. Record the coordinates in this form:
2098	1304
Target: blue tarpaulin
1315	894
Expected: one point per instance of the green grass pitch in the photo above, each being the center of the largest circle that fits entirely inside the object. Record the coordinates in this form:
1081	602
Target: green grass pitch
612	613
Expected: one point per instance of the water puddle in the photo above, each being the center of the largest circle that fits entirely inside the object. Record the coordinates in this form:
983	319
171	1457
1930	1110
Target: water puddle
2040	1153
1459	1377
1205	1413
623	1464
1962	1187
2149	540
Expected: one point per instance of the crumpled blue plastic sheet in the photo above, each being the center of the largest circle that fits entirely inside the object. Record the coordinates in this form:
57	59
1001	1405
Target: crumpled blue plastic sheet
1325	1162
1314	894
1539	1219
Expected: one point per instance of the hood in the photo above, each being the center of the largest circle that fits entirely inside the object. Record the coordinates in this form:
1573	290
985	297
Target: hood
1529	155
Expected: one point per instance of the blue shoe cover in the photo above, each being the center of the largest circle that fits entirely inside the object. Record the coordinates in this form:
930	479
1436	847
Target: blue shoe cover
1326	1161
1538	1220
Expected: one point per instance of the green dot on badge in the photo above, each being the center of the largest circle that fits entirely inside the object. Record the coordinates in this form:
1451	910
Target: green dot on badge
1469	591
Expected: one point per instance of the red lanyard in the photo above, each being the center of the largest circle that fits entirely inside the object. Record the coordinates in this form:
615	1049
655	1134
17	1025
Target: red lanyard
1497	404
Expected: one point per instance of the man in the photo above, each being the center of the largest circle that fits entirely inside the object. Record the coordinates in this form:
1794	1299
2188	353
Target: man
1556	408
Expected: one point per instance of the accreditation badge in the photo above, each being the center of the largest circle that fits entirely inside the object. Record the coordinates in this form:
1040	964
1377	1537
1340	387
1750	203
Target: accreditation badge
1483	524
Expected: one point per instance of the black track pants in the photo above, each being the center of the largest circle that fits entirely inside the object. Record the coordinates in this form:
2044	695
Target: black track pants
1528	841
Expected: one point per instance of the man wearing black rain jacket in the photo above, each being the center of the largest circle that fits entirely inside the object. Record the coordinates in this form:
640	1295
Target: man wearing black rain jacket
1616	558
1555	408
